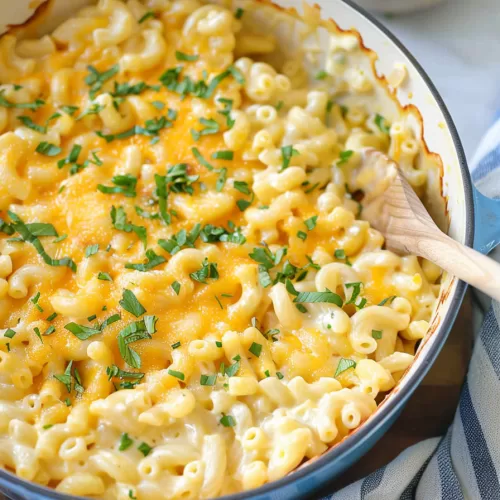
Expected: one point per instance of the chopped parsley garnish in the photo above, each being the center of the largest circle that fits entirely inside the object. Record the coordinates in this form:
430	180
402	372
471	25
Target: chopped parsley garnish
33	106
223	155
52	316
124	184
119	219
382	124
104	277
280	375
387	300
181	239
125	442
35	301
144	448
152	260
94	109
81	331
232	370
41	229
264	256
219	302
321	75
271	334
67	379
114	371
218	344
148	15
344	157
310	189
228	421
377	334
91	250
48	149
69	110
85	332
355	292
171	80
344	364
178	179
244	204
72	159
208	270
176	374
151	128
181	56
20	227
209	380
221	180
255	349
201	160
28	122
162	193
228	107
135	331
242	187
264	277
176	345
211	128
9	333
302	235
213	234
239	13
130	303
38	334
287	152
6	228
311	222
144	213
95	79
125	89
312	297
267	261
158	105
290	288
340	254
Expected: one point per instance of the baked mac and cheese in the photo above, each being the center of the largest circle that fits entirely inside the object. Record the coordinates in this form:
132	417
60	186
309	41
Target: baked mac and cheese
191	301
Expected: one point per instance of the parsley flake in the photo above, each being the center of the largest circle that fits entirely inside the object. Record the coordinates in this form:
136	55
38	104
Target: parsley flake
344	364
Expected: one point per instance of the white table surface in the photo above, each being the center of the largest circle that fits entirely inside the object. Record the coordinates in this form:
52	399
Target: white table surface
458	44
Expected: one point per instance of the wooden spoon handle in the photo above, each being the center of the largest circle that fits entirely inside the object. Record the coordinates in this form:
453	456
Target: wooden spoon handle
470	266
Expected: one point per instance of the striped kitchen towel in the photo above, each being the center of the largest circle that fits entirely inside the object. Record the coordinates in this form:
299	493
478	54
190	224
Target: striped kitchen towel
465	463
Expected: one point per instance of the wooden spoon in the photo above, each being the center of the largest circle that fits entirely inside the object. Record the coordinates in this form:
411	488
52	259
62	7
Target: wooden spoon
408	228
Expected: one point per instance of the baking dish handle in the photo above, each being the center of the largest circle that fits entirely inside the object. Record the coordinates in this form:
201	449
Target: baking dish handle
486	222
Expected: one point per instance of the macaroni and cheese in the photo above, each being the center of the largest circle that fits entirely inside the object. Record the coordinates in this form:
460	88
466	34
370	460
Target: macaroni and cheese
191	302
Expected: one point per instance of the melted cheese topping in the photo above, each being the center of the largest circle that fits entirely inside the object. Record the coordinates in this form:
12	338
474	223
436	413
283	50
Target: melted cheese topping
192	303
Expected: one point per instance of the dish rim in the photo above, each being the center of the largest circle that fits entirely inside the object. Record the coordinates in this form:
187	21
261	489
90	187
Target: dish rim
385	411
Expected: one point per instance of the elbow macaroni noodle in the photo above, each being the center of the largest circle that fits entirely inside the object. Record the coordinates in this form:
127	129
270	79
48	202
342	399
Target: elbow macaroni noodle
192	301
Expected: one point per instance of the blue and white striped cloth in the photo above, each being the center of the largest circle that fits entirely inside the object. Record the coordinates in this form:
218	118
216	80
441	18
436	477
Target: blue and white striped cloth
465	463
